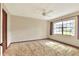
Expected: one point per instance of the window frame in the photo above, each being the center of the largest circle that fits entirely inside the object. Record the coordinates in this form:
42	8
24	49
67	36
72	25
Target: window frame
63	20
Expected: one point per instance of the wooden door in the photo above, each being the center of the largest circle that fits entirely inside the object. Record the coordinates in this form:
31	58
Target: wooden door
4	30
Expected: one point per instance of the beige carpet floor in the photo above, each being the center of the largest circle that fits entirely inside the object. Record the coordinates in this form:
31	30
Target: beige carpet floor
41	48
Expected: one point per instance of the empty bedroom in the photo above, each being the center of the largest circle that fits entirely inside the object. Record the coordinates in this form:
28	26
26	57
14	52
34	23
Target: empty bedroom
40	29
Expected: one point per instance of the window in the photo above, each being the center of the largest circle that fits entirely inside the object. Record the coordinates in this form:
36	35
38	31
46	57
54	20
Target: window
69	27
57	28
64	27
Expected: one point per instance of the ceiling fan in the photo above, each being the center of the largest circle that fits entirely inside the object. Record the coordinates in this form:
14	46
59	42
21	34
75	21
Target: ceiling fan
45	12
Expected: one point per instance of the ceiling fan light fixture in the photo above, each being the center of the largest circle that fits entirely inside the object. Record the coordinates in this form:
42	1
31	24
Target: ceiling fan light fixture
44	14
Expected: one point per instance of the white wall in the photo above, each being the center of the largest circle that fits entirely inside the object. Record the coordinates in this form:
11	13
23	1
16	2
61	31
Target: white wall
66	39
23	29
9	37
